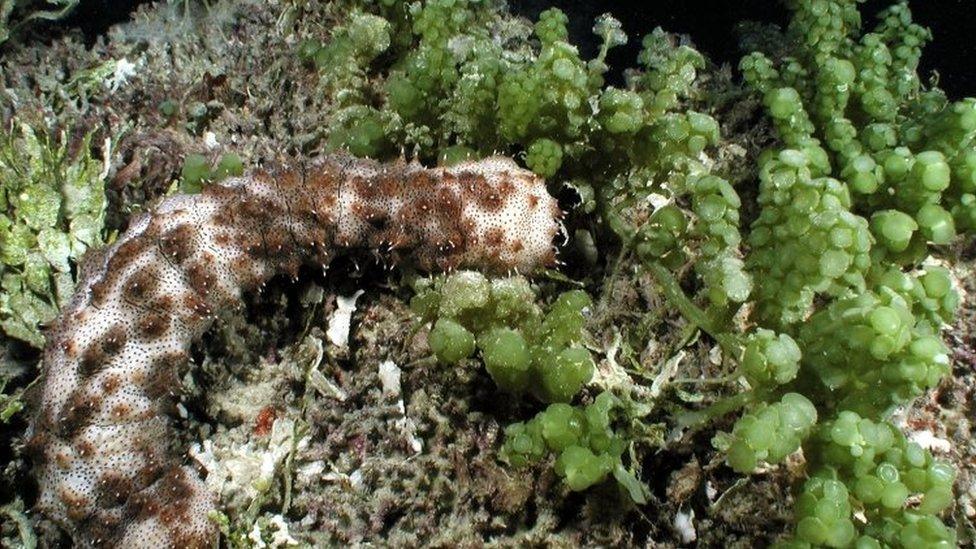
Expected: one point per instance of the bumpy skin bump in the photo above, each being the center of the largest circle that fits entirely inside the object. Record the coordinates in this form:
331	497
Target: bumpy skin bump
100	438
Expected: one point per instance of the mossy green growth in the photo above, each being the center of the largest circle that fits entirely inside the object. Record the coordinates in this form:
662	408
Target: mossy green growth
770	358
52	209
899	144
198	171
586	447
858	465
524	349
450	341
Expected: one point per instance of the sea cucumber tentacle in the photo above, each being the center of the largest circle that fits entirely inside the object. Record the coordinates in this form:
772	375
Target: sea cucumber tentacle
101	439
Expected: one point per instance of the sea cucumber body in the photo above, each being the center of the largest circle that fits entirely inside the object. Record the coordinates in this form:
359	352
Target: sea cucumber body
101	440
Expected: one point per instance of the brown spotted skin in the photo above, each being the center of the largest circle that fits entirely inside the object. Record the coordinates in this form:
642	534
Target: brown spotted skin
100	438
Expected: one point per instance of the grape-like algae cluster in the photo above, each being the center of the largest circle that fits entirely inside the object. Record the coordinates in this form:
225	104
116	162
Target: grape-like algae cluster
757	277
524	350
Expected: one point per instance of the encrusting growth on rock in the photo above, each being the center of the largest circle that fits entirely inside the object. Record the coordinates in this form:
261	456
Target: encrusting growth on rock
100	438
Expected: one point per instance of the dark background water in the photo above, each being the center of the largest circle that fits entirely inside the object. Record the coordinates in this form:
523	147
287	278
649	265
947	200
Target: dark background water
710	23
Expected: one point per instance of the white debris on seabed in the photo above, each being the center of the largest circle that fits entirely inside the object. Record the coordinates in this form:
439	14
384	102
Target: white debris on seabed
316	379
710	492
684	524
124	69
279	538
409	430
663	378
247	469
609	373
389	374
927	439
310	471
210	140
353	480
658	200
338	331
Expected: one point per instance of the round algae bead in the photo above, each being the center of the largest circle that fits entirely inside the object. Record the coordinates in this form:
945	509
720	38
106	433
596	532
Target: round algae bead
464	291
581	468
894	229
936	224
544	157
507	359
196	169
562	426
567	373
450	341
931	170
230	165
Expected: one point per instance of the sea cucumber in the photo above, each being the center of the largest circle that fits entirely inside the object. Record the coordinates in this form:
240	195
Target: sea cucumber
100	439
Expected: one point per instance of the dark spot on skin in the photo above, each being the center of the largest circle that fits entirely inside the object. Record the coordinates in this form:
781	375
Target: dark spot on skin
121	410
126	253
365	188
290	265
76	413
201	277
141	284
369	214
153	325
84	448
222	239
491	200
163	380
251	244
111	384
448	263
35	446
221	192
142	506
69	347
191	540
248	273
92	360
166	497
494	237
154	228
505	187
76	505
422	182
101	529
164	302
224	217
113	489
174	488
401	239
448	203
279	243
197	310
533	201
550	259
177	244
147	474
389	185
99	293
113	340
